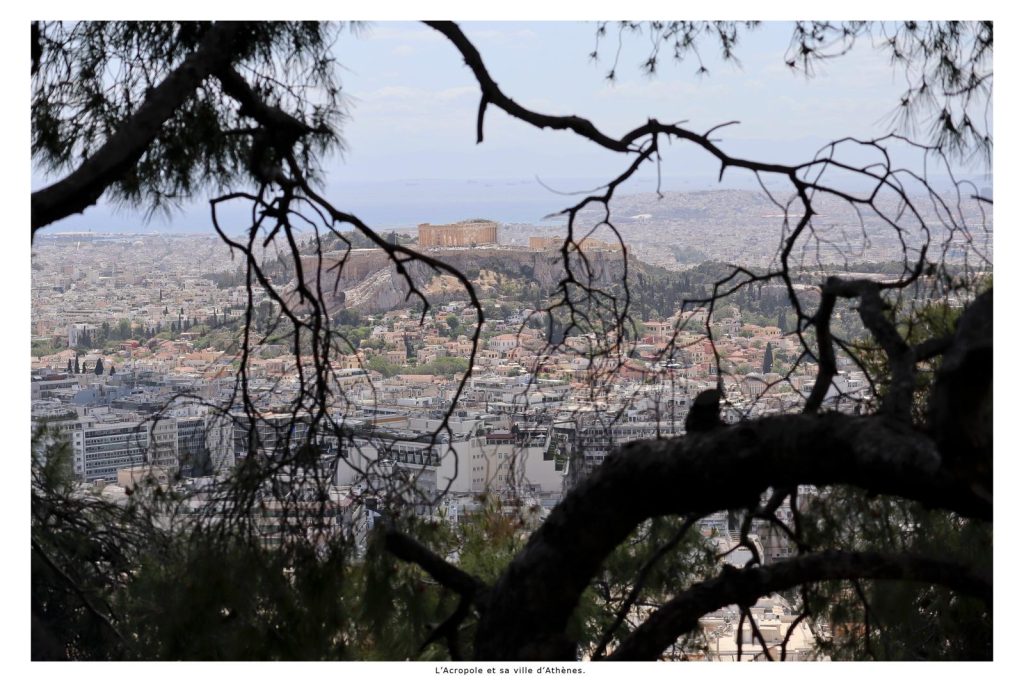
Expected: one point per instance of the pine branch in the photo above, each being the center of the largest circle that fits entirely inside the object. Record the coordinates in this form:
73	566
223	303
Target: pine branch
84	186
745	586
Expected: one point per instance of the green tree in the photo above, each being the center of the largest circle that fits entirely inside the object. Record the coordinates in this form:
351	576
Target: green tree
379	363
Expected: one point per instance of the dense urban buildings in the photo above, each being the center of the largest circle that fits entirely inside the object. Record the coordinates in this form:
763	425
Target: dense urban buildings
135	355
162	330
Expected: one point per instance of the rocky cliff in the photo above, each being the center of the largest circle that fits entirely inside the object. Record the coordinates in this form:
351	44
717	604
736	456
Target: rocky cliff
367	281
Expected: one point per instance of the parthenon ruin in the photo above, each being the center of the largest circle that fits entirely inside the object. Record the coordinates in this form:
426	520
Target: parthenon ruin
464	233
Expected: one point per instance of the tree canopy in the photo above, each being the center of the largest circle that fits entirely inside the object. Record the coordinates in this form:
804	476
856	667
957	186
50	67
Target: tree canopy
176	120
891	497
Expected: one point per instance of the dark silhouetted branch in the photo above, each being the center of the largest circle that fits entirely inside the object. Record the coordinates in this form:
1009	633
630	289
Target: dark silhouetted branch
901	357
745	586
449	629
826	353
960	409
492	94
931	348
79	592
452	577
638	585
84	186
723	469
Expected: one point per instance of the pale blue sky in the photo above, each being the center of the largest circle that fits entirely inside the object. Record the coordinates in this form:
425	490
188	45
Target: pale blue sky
412	96
412	155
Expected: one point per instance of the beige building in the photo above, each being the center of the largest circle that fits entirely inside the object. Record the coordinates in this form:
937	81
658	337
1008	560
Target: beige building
146	474
474	232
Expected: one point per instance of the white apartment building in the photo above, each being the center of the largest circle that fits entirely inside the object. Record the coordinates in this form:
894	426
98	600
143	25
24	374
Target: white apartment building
102	444
104	441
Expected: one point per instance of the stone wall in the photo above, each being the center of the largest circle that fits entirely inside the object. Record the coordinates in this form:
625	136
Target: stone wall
586	245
